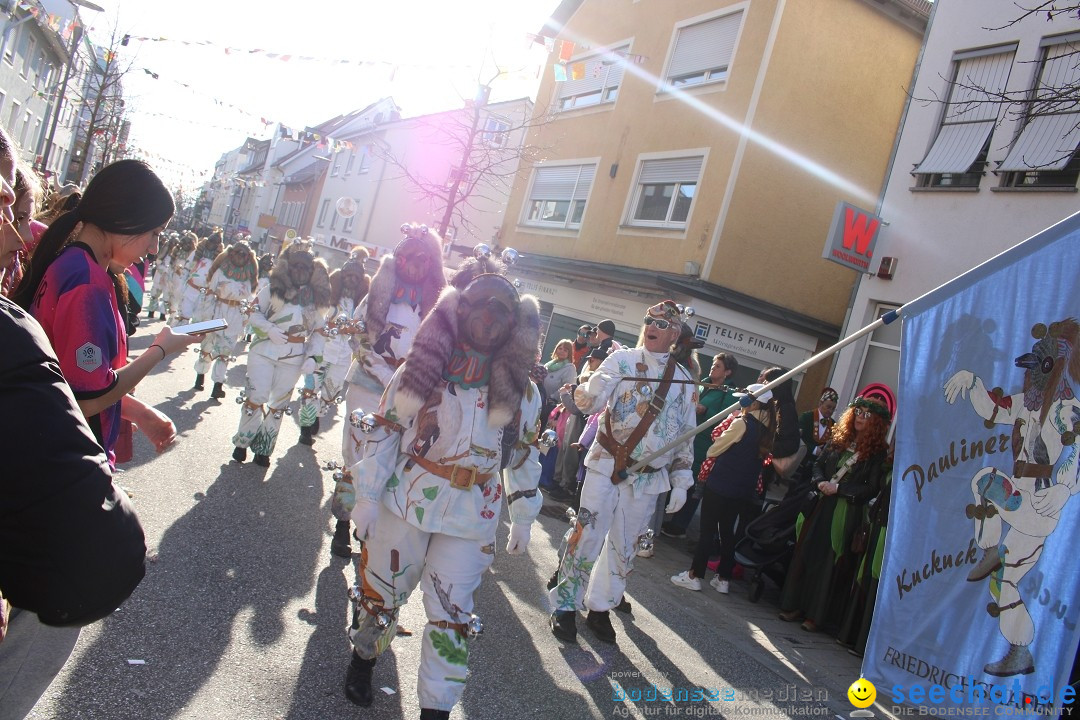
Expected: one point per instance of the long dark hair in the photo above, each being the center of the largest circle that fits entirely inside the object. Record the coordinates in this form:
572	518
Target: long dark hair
125	198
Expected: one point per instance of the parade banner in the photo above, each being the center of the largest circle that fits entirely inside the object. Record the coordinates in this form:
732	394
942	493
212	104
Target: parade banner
977	604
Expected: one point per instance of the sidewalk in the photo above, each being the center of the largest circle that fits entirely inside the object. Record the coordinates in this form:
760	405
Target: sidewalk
807	660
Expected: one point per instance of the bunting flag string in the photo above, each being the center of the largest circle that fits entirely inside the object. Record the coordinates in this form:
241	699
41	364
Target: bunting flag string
576	71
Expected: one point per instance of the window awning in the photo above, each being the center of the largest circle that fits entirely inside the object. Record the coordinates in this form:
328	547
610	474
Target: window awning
1046	143
956	148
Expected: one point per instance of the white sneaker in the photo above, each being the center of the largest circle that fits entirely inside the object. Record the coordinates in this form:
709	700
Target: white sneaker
683	579
645	553
721	586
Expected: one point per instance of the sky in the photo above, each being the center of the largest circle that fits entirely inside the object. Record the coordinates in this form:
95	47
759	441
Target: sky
224	66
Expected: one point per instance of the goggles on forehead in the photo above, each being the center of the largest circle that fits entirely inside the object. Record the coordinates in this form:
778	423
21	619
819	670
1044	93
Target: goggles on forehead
660	323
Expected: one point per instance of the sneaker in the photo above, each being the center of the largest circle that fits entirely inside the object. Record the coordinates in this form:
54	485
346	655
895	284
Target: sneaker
683	579
646	553
672	532
720	586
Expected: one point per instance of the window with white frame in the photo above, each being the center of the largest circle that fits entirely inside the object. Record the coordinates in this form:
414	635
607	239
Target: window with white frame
9	49
365	162
3	99
348	225
593	80
28	55
37	133
333	219
322	212
336	165
957	156
558	195
496	131
349	162
703	50
1044	154
881	358
25	128
665	191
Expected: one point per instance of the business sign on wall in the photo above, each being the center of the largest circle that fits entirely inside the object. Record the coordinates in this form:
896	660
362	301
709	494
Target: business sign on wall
852	237
729	338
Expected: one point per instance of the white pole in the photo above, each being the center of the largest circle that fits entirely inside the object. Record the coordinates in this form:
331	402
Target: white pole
746	400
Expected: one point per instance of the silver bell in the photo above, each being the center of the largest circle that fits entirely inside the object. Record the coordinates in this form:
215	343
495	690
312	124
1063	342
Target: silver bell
368	423
517	283
474	627
338	476
571	515
331	465
356	417
645	540
360	326
288	411
239	401
277	414
405	228
481	251
338	400
383	620
423	229
249	412
509	256
196	350
232	358
334	332
549	438
341	319
688	312
645	391
679	307
243	392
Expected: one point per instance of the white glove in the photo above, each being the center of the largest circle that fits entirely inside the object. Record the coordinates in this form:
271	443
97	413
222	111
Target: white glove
276	335
308	367
676	500
519	538
364	515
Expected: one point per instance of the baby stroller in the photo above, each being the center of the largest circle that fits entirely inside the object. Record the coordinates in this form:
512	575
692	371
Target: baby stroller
769	540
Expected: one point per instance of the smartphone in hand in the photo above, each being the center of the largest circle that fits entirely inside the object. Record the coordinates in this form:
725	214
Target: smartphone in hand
201	328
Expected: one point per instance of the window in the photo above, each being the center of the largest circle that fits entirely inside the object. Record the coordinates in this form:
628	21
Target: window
348	225
496	132
349	162
664	192
558	195
25	127
28	55
365	162
881	361
322	212
1044	154
958	154
703	50
9	49
3	99
333	219
458	175
337	164
37	133
593	80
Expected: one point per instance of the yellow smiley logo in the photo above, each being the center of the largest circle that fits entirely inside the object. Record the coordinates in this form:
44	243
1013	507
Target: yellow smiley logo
862	693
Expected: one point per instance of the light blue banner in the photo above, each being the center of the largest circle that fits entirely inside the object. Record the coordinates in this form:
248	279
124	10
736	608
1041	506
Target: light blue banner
978	600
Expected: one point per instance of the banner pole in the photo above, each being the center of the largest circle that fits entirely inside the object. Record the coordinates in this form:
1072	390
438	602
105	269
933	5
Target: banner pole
746	400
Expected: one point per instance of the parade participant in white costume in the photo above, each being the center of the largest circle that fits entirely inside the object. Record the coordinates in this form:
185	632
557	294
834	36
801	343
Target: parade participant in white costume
323	388
197	302
230	281
284	345
162	276
428	489
639	417
403	291
180	268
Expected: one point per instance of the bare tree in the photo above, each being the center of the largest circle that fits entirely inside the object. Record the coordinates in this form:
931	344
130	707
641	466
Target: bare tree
103	109
485	159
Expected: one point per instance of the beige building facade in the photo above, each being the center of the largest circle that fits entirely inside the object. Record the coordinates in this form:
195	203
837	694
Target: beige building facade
697	150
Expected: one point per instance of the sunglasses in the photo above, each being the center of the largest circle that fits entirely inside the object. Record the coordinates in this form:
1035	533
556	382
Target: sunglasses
861	413
585	332
659	323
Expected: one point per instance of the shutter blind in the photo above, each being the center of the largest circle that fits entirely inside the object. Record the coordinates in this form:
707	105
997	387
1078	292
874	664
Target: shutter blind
705	46
674	170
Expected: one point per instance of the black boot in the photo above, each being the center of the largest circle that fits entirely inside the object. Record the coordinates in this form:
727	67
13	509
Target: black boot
429	714
149	314
262	460
553	580
305	436
600	623
218	392
239	454
340	545
358	681
199	381
564	625
161	316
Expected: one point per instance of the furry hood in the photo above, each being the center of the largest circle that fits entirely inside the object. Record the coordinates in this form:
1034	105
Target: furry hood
435	342
317	290
246	269
385	281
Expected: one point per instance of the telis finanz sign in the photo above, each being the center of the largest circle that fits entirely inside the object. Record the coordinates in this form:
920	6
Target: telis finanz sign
852	237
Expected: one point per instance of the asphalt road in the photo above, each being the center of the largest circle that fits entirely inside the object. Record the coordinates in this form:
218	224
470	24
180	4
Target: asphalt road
243	610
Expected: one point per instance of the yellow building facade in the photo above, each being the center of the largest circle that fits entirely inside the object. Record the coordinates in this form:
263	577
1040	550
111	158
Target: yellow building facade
696	149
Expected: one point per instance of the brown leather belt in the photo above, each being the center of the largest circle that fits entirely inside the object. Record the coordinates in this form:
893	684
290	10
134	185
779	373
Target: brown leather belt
231	303
609	444
296	338
197	287
1031	470
459	476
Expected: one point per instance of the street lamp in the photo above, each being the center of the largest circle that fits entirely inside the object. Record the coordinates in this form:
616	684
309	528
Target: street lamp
76	38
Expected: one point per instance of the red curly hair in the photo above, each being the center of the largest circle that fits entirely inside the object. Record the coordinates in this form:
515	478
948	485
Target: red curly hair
872	439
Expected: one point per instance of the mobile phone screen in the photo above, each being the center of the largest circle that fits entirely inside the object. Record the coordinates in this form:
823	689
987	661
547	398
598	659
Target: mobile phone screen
201	328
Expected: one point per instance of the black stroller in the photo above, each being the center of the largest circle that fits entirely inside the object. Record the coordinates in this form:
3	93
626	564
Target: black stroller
769	540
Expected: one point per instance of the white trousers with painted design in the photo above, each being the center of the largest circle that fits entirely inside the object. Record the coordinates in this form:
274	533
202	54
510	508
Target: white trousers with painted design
321	389
352	447
449	570
601	546
269	387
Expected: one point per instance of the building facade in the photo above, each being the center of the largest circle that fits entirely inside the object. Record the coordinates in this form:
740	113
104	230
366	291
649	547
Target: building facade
697	150
978	167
